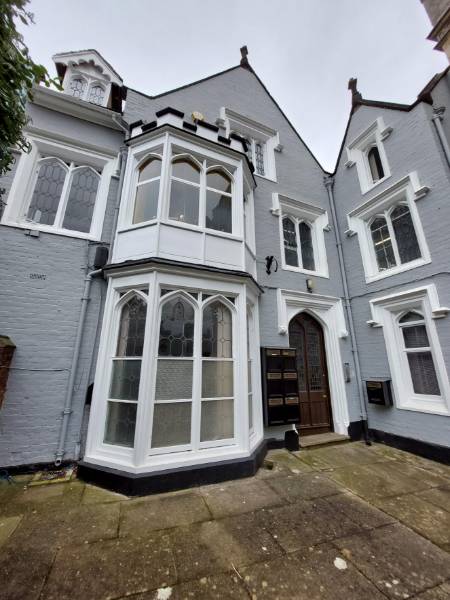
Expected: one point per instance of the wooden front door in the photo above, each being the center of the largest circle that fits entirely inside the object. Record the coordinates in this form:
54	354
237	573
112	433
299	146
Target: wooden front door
306	335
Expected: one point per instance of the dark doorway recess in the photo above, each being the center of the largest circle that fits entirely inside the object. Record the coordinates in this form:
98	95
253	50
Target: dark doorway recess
306	335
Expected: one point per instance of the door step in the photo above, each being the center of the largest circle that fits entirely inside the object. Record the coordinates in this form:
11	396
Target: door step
322	439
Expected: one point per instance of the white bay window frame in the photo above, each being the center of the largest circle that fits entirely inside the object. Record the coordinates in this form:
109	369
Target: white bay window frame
144	458
317	220
21	192
406	191
386	313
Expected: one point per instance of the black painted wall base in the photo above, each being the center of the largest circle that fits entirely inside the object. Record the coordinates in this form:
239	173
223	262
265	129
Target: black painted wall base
425	449
133	484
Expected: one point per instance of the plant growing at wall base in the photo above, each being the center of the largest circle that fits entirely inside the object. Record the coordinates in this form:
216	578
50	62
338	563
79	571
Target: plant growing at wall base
18	74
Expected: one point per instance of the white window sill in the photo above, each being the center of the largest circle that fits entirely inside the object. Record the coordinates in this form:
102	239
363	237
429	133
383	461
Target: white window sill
305	271
369	188
134	226
433	405
52	230
396	270
265	177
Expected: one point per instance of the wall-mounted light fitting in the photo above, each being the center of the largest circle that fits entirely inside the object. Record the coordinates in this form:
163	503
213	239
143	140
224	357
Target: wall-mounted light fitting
310	285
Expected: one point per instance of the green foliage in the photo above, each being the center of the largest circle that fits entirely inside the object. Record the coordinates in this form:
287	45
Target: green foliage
18	74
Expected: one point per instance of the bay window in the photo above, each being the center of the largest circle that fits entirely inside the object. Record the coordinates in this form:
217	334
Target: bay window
147	190
185	191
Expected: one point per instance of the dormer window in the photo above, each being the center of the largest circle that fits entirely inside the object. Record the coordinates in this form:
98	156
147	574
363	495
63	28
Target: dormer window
96	94
78	87
375	166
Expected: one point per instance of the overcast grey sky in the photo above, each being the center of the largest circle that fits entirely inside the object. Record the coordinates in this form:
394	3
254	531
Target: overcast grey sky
303	50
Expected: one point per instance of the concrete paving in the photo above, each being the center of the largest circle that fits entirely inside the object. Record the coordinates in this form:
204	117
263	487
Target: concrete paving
338	522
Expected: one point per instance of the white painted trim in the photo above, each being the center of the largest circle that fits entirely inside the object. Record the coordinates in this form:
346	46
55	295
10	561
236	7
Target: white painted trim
407	189
385	311
329	311
316	218
357	149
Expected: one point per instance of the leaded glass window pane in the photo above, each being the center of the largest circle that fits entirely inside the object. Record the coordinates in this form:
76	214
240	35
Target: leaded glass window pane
382	244
259	158
120	424
405	234
171	424
306	246
184	201
217	331
47	192
81	201
174	379
218	212
217	379
176	335
290	243
376	168
78	87
125	379
96	94
423	373
217	420
132	328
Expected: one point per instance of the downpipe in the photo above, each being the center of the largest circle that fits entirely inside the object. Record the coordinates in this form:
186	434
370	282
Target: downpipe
329	182
438	115
73	367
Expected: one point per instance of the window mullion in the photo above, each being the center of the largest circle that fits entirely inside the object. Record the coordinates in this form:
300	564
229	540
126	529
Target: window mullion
393	239
59	217
197	379
298	241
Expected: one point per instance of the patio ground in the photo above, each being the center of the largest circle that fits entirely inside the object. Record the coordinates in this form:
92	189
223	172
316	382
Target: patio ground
342	522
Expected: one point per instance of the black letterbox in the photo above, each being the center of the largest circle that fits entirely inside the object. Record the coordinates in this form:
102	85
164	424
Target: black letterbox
379	392
280	386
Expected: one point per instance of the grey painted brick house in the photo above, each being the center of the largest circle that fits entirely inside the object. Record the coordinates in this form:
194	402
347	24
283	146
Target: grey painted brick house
224	237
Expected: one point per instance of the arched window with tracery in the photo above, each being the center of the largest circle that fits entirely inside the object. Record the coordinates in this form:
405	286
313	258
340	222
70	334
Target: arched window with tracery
217	405
78	87
375	164
174	377
126	373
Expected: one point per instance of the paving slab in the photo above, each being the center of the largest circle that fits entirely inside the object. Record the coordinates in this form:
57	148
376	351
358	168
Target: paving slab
97	495
54	496
244	495
214	546
398	561
288	460
60	528
437	496
110	569
415	512
311	574
331	457
162	512
217	587
379	480
7	527
441	592
360	512
306	523
306	486
413	459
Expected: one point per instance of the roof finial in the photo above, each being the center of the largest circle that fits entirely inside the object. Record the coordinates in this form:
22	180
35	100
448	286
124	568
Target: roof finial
244	60
353	86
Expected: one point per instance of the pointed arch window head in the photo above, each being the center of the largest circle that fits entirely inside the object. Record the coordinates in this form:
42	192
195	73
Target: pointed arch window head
185	191
306	246
375	164
176	334
130	341
290	242
394	237
64	195
147	190
217	331
417	349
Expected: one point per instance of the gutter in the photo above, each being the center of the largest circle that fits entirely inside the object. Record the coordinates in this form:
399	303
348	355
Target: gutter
329	182
438	115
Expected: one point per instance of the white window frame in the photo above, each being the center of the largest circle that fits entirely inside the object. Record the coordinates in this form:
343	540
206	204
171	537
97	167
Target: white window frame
21	192
90	81
254	132
358	149
317	218
407	190
386	312
163	147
